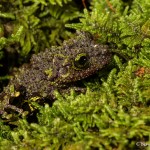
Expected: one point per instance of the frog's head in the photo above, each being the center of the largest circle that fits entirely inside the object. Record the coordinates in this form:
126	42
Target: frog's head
79	58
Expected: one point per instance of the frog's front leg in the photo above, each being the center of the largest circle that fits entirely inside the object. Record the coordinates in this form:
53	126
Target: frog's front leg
11	101
76	88
6	100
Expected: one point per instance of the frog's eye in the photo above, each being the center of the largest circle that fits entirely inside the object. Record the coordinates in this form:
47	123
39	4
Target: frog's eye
81	61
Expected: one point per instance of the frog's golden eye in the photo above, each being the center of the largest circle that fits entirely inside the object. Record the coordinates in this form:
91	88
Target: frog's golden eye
81	61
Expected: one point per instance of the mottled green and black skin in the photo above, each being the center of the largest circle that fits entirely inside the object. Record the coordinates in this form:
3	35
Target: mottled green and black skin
56	68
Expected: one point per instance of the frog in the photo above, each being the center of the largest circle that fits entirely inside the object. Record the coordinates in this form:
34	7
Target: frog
56	68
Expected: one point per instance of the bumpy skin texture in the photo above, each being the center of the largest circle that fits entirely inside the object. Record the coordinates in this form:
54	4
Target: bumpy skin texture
56	68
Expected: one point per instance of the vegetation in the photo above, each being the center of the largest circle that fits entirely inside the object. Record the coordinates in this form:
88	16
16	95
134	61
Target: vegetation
114	111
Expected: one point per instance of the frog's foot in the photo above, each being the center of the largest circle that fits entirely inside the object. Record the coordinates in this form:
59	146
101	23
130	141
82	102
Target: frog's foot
10	113
12	107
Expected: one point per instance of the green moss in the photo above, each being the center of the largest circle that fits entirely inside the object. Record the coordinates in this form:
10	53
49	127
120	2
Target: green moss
116	114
